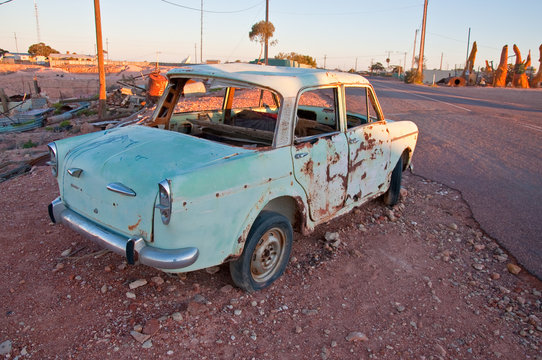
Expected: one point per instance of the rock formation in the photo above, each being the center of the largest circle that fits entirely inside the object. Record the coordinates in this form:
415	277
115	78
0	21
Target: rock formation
500	74
520	77
536	81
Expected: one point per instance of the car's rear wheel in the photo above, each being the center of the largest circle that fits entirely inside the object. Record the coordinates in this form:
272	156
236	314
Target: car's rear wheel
391	197
266	253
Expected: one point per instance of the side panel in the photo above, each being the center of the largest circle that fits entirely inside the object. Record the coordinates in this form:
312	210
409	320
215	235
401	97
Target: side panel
369	157
214	207
321	168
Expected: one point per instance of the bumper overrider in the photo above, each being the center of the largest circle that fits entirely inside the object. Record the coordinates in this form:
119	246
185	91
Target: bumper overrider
132	248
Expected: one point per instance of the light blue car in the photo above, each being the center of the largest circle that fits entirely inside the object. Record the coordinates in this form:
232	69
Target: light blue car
234	158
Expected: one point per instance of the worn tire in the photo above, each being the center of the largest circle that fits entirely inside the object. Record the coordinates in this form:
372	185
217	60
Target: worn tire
391	197
266	253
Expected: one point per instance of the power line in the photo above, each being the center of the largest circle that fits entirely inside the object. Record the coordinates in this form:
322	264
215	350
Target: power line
350	12
208	11
5	2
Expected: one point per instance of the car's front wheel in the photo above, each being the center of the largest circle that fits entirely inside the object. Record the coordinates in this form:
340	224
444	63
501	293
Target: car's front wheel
266	253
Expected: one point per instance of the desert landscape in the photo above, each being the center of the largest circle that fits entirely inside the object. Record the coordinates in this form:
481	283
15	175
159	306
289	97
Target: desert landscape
419	280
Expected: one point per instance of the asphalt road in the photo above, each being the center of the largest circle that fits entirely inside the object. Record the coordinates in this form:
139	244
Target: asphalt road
487	143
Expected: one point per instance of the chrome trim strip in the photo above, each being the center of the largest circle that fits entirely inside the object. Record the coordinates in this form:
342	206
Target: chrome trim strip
75	172
121	189
170	259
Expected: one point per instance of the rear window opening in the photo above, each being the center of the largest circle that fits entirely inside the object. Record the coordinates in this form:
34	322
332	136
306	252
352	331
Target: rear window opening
234	114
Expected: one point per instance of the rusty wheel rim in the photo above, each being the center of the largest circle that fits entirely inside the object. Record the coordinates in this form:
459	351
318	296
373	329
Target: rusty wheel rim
267	255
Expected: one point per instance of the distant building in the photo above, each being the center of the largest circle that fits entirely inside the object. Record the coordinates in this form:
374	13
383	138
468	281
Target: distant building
17	58
71	59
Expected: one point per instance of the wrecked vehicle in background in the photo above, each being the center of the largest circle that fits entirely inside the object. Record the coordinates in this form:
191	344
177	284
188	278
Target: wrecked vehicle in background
234	158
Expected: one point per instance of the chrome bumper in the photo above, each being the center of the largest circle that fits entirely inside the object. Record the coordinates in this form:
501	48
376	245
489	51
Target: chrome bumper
128	247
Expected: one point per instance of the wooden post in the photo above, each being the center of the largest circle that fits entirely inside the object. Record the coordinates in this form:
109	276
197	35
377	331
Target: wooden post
101	66
4	99
422	44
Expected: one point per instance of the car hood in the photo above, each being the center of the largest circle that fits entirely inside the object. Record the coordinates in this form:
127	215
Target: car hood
137	158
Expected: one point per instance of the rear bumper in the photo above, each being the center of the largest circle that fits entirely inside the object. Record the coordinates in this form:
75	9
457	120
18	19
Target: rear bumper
131	248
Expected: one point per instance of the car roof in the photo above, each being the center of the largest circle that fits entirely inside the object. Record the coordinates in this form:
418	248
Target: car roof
287	81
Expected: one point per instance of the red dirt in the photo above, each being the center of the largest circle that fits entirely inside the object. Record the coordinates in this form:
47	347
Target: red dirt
411	287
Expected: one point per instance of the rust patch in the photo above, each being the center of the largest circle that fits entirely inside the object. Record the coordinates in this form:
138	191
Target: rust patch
363	176
184	203
217	195
132	227
307	168
230	258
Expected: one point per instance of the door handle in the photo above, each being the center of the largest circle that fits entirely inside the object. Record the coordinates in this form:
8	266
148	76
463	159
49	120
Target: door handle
300	155
353	141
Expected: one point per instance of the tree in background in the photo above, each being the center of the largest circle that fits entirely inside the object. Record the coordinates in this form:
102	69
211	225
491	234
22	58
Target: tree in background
40	49
260	32
2	52
302	59
377	67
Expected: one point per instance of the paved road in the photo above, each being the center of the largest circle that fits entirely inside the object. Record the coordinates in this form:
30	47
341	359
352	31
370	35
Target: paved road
487	143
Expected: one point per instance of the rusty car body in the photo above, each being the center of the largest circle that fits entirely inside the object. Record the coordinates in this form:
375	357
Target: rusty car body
233	159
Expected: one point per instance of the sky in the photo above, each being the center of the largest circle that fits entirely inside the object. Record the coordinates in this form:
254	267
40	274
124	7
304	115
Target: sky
338	34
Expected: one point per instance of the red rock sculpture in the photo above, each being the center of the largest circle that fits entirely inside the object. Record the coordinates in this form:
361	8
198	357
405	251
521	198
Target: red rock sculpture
500	74
520	77
536	81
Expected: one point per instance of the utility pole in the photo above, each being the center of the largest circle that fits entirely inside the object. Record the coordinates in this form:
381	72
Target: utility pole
356	66
414	50
101	67
325	58
16	44
404	63
422	43
201	36
107	48
195	54
266	54
37	21
468	45
441	56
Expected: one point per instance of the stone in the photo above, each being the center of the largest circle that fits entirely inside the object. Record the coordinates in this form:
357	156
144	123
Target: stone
479	247
139	337
534	320
151	327
501	257
196	308
309	312
440	350
254	303
226	289
122	266
238	312
147	344
400	308
403	192
331	236
58	267
137	283
66	252
513	268
390	215
478	266
138	327
495	276
5	347
177	316
130	295
362	227
107	268
298	330
356	336
103	289
212	270
157	280
453	226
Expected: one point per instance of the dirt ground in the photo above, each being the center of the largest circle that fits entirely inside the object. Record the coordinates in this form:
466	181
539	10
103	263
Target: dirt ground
420	281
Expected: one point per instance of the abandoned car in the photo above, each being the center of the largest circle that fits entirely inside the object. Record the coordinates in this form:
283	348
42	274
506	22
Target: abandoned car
234	158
